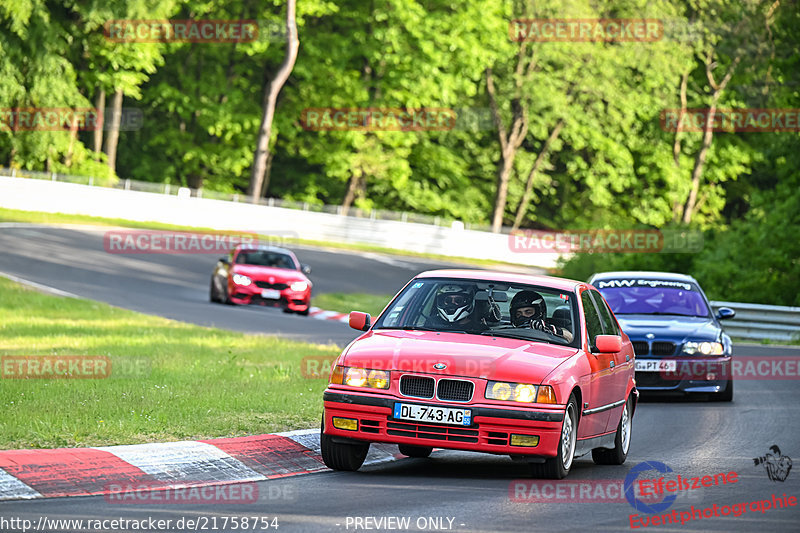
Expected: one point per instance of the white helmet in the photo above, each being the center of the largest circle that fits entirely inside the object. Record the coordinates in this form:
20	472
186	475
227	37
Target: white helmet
455	302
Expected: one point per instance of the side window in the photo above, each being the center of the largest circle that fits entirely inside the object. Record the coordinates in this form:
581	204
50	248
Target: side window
593	327
609	324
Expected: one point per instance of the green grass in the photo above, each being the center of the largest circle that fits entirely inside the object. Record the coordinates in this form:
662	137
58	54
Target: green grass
36	217
346	302
169	380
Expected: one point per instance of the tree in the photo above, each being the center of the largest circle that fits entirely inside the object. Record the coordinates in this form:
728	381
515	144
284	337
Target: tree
270	99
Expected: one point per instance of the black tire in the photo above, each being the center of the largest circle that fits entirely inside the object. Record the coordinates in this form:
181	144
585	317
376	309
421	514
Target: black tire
419	452
726	395
212	293
622	440
287	310
558	467
339	456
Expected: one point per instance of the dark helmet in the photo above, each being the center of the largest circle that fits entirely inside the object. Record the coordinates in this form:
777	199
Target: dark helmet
455	302
527	299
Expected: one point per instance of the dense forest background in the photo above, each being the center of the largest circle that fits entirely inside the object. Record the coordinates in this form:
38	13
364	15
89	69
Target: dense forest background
563	135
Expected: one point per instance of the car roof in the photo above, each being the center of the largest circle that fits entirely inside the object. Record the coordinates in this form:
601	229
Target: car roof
671	276
263	247
506	277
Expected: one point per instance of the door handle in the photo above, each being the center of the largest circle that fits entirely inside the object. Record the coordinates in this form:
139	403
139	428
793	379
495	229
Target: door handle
612	364
627	358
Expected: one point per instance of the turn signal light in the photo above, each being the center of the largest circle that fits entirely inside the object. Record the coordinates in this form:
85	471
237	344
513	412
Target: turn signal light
337	376
546	394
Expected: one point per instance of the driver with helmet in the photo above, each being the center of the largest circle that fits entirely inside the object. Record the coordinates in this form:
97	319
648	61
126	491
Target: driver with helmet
455	308
528	310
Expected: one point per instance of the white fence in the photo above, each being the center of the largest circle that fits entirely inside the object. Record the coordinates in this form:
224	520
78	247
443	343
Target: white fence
71	198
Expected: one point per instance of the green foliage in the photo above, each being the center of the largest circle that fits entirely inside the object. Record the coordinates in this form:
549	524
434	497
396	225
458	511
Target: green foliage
613	165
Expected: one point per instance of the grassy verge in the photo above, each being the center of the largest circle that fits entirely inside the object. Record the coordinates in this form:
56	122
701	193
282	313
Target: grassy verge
168	380
36	217
346	302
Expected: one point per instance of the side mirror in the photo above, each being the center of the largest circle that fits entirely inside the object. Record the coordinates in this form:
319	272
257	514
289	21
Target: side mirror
608	343
305	269
359	321
724	313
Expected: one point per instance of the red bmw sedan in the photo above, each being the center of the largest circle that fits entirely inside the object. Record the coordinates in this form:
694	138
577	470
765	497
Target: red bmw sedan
533	367
264	275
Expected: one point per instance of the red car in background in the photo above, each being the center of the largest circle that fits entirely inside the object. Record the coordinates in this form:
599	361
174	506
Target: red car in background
264	275
533	367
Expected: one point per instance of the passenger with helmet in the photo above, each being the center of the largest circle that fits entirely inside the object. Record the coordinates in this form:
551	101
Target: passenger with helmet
528	310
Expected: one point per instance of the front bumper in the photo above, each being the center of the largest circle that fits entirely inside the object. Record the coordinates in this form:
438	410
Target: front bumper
490	431
704	375
289	299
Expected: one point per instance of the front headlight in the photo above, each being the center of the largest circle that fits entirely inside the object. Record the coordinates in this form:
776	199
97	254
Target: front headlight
519	392
360	377
242	280
703	348
299	286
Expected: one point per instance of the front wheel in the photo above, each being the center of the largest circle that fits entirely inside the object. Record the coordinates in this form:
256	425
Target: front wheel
340	456
622	440
558	467
213	295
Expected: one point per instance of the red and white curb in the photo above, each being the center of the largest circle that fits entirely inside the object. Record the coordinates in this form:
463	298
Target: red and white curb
30	474
321	314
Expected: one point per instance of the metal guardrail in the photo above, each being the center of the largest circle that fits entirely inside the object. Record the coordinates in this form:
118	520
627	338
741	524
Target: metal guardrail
760	322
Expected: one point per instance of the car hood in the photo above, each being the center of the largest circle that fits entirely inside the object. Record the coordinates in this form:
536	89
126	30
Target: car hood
677	329
262	273
495	358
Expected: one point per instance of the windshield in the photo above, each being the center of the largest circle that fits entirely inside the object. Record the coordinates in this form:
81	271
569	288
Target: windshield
480	307
654	300
265	258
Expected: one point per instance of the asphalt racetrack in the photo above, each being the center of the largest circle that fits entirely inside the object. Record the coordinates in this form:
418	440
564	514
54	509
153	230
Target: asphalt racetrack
451	491
176	285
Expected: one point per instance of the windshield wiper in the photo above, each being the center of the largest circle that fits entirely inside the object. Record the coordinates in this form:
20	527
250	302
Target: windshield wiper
518	335
422	328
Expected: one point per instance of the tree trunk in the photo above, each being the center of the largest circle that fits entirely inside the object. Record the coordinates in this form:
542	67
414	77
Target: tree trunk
526	196
355	185
73	136
270	100
510	141
676	145
708	134
100	105
267	172
113	132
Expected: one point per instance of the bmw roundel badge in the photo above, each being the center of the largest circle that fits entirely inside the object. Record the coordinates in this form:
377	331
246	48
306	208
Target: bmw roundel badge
440	366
